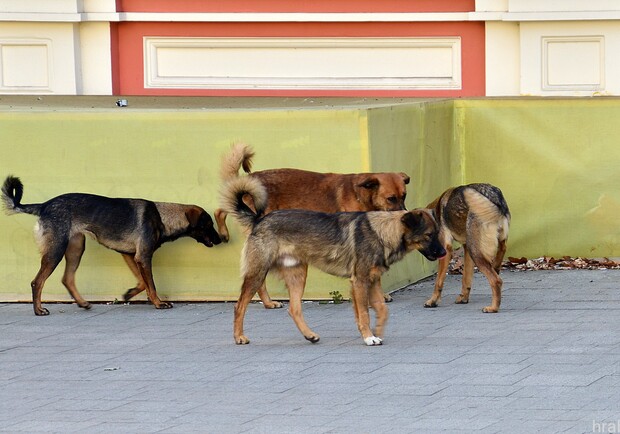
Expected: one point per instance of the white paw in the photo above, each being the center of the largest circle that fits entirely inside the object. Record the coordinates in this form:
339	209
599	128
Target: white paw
373	340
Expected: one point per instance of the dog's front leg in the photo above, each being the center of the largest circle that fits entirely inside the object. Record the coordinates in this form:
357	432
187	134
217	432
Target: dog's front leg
442	271
144	265
359	293
377	301
468	276
141	285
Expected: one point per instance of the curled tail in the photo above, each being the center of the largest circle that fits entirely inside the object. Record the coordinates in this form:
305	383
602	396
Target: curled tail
245	198
240	155
12	192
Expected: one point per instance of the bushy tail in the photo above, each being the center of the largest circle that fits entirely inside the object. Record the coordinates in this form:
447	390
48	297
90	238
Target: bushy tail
492	215
245	198
12	192
240	155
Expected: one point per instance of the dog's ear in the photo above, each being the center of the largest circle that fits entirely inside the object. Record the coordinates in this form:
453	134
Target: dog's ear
412	219
406	178
193	216
369	183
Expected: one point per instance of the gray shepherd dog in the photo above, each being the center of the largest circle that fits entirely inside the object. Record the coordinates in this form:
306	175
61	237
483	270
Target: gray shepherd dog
360	246
133	227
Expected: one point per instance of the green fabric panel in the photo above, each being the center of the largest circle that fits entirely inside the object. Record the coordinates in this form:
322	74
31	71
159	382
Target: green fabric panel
416	139
556	160
163	156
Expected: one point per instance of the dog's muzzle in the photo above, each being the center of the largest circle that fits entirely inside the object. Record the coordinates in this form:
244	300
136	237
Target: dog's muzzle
433	256
210	243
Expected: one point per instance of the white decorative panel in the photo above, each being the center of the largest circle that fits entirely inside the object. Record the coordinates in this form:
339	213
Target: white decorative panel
570	58
311	63
573	63
25	65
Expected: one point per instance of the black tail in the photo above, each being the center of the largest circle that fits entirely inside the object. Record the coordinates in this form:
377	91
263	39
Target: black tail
12	192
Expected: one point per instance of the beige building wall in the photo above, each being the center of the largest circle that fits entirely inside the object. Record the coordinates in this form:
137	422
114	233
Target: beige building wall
59	47
533	47
552	47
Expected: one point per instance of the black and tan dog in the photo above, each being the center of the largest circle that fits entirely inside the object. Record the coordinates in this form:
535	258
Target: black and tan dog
314	191
476	216
356	245
133	227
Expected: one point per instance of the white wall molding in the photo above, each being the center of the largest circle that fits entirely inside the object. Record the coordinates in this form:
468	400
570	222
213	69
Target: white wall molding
559	5
237	17
306	63
308	17
258	17
611	15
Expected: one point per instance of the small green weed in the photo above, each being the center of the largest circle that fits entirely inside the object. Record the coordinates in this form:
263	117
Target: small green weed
336	297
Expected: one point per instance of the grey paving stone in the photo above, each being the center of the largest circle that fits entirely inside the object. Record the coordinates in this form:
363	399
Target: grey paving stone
548	362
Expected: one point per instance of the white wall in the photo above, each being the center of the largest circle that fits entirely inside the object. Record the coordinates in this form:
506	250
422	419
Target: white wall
96	62
552	47
503	58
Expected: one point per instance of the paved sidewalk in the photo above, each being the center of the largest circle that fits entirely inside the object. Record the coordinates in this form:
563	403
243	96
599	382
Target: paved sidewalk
548	362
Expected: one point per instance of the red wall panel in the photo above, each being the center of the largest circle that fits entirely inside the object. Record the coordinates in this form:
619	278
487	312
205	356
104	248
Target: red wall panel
129	76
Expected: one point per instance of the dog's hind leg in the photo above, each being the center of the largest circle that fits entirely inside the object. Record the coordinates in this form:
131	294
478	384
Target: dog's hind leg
499	257
360	288
73	256
251	283
295	280
496	283
468	275
144	263
485	250
140	286
222	229
442	271
52	254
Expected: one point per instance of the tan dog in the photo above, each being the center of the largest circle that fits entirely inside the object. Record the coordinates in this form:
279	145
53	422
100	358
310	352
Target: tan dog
477	216
360	246
325	192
